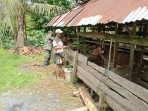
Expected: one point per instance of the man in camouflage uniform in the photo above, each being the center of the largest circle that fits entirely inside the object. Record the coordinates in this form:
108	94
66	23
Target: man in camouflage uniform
47	48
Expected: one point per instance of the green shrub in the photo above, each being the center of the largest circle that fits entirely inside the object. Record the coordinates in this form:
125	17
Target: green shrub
38	37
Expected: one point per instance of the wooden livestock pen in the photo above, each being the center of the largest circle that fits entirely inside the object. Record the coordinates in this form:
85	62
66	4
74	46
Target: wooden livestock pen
119	93
116	65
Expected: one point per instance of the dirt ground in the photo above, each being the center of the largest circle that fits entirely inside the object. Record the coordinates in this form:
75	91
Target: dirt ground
47	94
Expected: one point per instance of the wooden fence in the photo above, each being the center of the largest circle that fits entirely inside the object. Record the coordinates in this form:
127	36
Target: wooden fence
120	93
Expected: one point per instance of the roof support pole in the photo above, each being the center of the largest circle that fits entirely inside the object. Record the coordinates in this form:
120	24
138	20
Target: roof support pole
115	47
103	44
68	32
78	37
132	50
84	37
75	33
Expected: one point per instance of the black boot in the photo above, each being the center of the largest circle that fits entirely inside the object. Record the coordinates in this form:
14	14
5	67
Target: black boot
45	66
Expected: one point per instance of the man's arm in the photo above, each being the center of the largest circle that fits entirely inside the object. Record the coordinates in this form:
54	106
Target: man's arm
60	47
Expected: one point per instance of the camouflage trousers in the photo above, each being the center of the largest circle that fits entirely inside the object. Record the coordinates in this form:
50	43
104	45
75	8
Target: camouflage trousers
47	56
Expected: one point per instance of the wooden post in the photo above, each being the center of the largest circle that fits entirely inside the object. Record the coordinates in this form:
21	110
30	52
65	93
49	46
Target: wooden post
103	45
110	52
84	37
102	103
75	66
115	47
68	32
132	50
145	28
75	33
78	37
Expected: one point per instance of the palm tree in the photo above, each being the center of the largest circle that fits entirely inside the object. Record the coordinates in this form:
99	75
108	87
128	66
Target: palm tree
14	12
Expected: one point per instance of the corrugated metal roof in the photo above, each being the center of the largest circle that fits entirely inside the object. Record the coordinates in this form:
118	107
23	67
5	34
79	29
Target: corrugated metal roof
60	19
52	21
72	14
139	14
104	11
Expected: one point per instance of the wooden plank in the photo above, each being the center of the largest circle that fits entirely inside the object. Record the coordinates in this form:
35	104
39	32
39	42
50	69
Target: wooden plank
98	68
118	98
115	54
84	108
87	99
110	52
115	37
122	91
82	58
75	66
130	86
131	62
70	52
114	105
76	93
99	92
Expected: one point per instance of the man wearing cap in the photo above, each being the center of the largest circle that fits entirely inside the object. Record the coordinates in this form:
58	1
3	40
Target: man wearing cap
58	51
47	48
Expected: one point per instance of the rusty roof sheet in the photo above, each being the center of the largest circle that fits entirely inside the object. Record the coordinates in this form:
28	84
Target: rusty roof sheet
52	21
72	14
104	11
60	18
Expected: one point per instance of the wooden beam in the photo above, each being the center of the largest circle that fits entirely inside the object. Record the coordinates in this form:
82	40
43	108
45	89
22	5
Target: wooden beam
115	86
84	108
124	102
110	52
87	99
75	66
129	31
116	38
78	37
115	54
131	62
137	90
113	105
115	47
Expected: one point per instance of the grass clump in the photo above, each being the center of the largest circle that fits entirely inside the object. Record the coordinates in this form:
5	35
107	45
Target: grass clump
10	76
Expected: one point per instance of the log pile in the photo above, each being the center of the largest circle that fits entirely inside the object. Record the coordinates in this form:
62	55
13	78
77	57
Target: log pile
25	51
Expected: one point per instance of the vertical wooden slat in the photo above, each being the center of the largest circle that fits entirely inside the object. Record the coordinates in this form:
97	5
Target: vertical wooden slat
115	47
110	52
132	50
75	66
78	37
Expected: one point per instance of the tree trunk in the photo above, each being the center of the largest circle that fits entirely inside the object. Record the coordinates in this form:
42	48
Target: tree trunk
20	30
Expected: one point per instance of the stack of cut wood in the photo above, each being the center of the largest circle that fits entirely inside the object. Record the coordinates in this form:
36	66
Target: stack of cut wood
26	51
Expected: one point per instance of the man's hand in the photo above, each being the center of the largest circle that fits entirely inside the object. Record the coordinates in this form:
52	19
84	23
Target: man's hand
64	47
